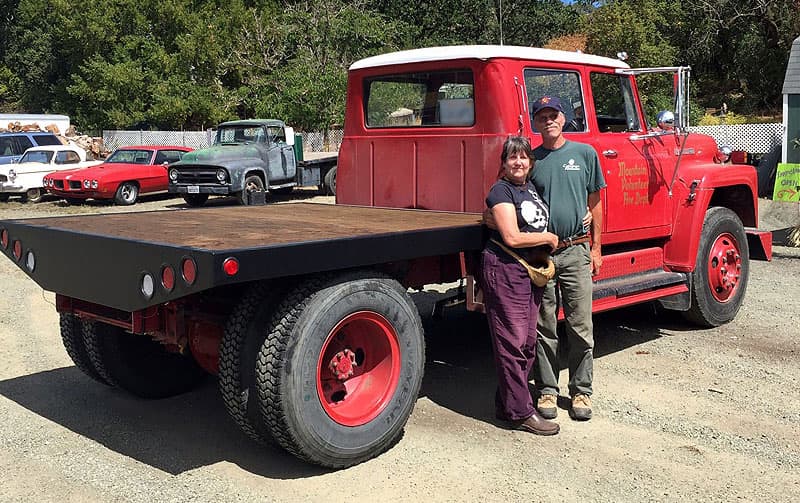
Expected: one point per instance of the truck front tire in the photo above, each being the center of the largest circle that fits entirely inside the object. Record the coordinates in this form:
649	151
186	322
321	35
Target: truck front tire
340	369
719	280
252	183
137	363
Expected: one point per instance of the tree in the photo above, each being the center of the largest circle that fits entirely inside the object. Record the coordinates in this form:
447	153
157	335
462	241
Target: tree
740	49
294	64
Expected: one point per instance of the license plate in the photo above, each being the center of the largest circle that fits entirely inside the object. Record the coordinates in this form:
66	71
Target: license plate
193	189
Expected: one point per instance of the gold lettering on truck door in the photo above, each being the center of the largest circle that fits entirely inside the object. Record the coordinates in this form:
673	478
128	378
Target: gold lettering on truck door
634	182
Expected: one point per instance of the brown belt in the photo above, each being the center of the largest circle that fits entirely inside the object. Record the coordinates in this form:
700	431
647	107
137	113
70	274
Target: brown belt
572	241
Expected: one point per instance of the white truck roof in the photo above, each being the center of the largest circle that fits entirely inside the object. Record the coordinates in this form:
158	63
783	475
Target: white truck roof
485	52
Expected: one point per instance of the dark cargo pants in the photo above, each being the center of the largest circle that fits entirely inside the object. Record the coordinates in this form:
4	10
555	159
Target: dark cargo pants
512	309
572	289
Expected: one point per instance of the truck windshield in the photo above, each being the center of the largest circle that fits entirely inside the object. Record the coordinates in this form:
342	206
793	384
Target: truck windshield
41	156
235	135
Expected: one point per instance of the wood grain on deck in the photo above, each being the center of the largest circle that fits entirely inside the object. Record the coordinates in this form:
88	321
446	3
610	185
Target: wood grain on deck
256	226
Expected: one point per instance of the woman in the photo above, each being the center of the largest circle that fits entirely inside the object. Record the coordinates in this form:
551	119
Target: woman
511	300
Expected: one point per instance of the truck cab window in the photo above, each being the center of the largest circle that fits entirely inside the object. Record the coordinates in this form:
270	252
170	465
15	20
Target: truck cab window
277	134
563	84
614	103
429	99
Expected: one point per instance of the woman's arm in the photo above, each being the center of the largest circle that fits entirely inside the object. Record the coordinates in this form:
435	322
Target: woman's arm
505	217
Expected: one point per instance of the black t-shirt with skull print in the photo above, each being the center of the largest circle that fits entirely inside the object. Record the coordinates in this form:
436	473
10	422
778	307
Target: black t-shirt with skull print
532	212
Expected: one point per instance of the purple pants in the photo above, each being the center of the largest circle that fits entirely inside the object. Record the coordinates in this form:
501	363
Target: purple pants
512	308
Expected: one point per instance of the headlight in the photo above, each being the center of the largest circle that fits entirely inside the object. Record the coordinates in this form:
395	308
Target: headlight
94	184
173	175
221	175
87	184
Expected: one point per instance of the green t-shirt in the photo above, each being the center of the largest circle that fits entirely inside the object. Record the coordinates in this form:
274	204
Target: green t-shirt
564	178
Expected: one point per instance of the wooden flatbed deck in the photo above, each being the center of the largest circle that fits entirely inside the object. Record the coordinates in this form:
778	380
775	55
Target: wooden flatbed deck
102	258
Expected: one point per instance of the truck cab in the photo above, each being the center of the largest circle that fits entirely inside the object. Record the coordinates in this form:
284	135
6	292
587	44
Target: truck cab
424	129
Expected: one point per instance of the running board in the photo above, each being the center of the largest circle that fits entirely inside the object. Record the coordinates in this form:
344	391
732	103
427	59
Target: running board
628	285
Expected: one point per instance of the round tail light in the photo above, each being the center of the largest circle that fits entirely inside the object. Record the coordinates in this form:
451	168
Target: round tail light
17	250
168	278
230	266
4	238
189	271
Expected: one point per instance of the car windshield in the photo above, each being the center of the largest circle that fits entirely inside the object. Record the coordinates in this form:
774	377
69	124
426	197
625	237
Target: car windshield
42	156
231	135
130	156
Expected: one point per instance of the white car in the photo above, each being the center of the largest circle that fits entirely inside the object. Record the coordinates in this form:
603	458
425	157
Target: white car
24	178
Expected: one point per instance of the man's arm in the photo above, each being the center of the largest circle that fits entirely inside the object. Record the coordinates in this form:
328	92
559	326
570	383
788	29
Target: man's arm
596	209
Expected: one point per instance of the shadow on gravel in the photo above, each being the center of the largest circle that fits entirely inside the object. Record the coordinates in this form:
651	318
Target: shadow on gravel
459	371
174	435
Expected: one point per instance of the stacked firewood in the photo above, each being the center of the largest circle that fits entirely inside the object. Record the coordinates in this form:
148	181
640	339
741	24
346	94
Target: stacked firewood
93	145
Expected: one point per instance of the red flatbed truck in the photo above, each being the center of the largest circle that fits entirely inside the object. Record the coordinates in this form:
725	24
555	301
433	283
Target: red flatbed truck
302	310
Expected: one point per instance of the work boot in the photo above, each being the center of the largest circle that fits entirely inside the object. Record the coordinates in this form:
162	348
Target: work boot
536	425
547	405
581	409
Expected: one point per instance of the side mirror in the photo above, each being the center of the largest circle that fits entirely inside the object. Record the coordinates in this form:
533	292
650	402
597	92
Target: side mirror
289	132
665	120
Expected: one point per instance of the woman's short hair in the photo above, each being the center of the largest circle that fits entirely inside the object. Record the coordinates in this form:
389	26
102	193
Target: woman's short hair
516	145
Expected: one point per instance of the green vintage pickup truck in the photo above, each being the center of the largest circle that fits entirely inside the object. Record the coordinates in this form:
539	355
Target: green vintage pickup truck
250	158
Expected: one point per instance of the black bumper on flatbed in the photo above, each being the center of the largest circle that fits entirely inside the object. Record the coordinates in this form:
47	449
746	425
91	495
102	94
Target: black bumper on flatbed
102	259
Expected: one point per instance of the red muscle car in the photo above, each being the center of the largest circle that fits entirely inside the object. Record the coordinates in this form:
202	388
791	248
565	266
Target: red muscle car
128	172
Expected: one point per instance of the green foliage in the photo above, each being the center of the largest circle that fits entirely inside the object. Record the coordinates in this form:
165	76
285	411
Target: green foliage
193	63
716	120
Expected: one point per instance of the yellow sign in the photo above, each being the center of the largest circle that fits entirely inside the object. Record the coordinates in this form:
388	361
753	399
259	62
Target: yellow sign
787	183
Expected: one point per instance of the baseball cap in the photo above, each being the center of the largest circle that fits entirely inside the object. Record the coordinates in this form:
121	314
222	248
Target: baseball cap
547	102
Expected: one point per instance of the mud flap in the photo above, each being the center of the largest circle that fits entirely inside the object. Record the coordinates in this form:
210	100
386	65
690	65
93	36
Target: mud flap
760	243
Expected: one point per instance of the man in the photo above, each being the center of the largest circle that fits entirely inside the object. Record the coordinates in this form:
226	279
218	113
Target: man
567	175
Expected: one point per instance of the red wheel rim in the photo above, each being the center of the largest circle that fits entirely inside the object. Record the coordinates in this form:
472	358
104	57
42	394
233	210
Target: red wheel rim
724	267
358	369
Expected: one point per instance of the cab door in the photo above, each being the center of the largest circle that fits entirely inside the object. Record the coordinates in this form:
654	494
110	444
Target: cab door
637	171
280	156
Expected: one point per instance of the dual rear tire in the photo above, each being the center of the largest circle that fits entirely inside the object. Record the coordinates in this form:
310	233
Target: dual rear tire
327	367
134	363
337	370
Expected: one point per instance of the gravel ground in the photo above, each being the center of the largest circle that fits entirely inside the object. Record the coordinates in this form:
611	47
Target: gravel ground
680	413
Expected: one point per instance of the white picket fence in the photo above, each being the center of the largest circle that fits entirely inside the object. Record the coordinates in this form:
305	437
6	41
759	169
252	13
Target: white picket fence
753	138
